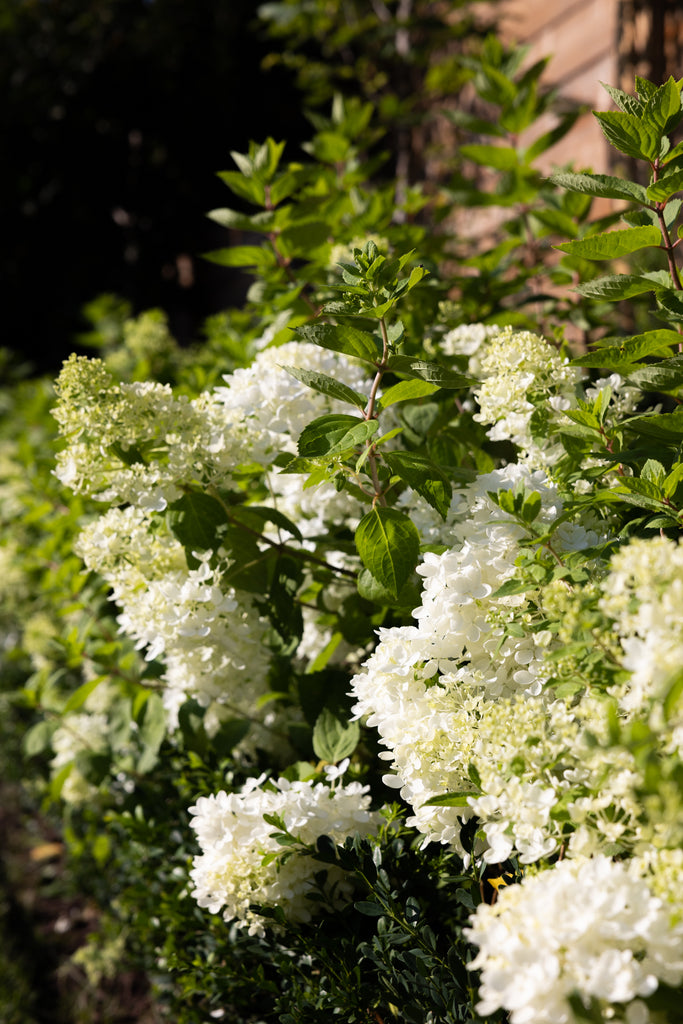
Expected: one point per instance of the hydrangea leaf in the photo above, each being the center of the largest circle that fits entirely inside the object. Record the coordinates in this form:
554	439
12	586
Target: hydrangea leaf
601	185
420	473
327	386
342	338
389	545
405	390
432	372
334	434
334	739
195	519
612	244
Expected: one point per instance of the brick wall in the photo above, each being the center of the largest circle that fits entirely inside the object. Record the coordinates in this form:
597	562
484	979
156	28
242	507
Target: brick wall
581	38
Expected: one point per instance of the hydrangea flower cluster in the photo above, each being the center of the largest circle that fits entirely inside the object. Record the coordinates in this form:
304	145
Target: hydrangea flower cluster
517	368
211	641
588	926
643	594
242	863
138	445
449	694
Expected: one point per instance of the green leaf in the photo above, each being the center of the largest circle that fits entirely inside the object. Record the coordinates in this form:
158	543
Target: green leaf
152	732
334	434
670	305
612	244
259	514
368	909
389	545
405	390
420	473
246	188
327	386
334	739
666	427
632	350
629	134
343	338
616	286
663	108
501	158
629	104
243	256
664	376
261	221
457	798
435	374
601	185
79	696
659	191
300	239
38	738
195	520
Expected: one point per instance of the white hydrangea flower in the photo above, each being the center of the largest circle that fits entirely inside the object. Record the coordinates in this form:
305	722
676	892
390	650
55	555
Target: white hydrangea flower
241	864
212	644
427	687
266	408
519	370
469	340
590	926
643	593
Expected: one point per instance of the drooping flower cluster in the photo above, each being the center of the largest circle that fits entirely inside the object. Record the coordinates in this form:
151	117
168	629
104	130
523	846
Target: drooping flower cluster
210	640
242	863
141	445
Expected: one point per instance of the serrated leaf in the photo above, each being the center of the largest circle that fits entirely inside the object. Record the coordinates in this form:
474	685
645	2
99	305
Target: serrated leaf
670	305
629	104
601	185
334	434
327	386
613	244
615	287
333	738
666	427
342	338
405	390
630	351
431	372
389	545
420	473
660	190
663	107
664	376
629	134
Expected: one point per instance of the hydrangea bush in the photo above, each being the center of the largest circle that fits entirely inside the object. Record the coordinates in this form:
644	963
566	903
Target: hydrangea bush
382	681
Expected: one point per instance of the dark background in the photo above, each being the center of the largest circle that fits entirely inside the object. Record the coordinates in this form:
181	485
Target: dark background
116	114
